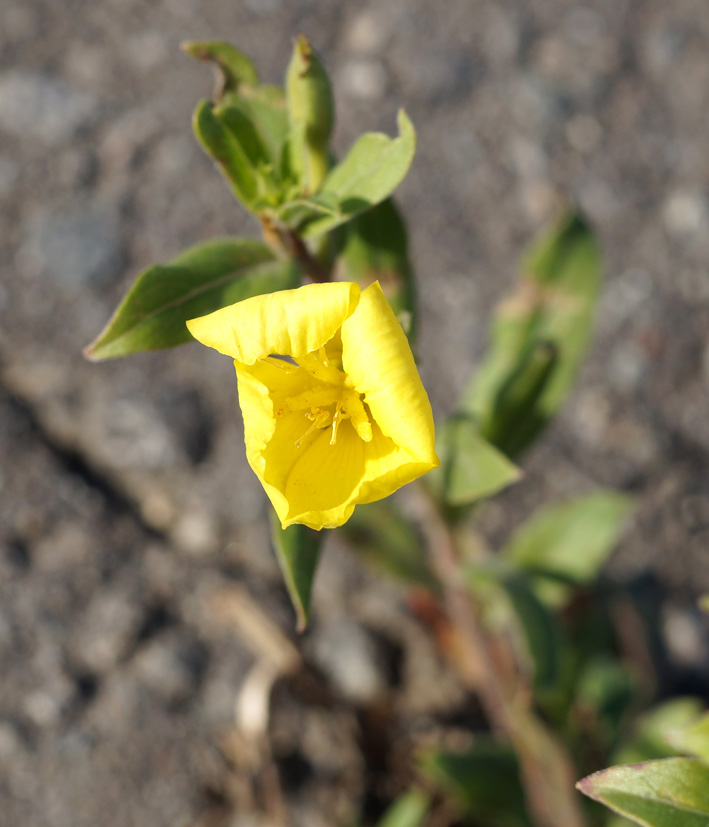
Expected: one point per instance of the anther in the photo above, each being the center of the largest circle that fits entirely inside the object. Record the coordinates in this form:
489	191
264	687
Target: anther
319	419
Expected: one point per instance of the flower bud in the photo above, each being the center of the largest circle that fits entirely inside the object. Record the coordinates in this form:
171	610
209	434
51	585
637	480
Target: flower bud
311	108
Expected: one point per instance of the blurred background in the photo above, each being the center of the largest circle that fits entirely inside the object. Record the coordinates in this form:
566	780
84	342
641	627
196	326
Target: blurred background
140	602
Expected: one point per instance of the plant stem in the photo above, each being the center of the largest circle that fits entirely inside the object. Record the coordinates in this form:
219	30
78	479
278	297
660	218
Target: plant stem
547	771
285	240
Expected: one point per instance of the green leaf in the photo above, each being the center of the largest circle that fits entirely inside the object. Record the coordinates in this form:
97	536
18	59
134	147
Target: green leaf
234	67
571	541
389	541
410	810
692	738
541	631
484	780
654	732
471	468
539	337
204	278
225	148
604	695
673	792
265	108
298	550
376	249
371	171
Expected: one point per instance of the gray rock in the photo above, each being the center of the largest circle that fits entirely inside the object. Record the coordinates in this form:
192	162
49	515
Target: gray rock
43	107
79	246
348	655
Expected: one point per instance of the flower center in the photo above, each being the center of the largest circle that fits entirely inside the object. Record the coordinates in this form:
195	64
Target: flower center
325	403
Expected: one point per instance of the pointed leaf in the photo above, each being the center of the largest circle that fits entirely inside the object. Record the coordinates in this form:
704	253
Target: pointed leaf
234	67
541	631
265	107
673	792
220	143
540	334
410	810
298	550
204	278
372	170
471	468
376	249
570	542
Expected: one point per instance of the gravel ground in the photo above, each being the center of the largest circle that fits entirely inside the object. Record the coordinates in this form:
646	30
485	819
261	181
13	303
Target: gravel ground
134	564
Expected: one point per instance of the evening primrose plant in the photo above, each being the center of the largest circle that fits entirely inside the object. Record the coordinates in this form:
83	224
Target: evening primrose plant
318	317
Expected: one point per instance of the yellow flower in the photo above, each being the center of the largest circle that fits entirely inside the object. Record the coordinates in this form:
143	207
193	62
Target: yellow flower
334	410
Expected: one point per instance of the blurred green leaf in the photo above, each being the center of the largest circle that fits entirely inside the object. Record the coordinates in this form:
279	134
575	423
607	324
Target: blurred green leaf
204	278
673	792
234	67
484	780
376	249
541	630
605	692
692	738
569	542
265	108
373	168
471	468
410	810
390	542
653	732
298	550
539	336
225	148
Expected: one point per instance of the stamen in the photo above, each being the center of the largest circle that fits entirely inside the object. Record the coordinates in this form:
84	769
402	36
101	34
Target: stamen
319	419
336	419
323	356
279	363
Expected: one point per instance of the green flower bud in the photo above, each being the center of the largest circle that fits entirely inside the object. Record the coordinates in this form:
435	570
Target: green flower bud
311	109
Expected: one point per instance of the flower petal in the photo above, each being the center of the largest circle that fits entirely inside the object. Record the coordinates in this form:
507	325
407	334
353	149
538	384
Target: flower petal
289	322
377	357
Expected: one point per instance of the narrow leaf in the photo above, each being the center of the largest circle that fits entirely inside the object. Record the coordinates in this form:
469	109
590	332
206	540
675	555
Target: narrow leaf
471	468
539	336
376	249
570	542
371	171
541	631
234	67
298	550
673	792
265	107
410	810
220	143
204	278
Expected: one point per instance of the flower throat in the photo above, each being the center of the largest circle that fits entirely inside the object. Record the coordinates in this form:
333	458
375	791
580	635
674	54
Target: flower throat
332	400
